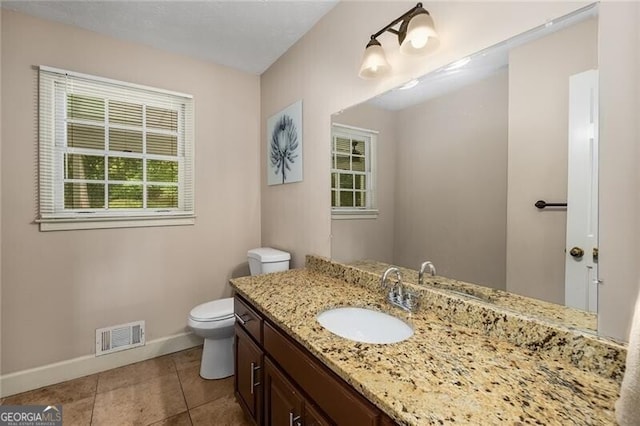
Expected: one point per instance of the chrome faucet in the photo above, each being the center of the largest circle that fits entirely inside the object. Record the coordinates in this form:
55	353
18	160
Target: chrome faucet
425	265
399	295
396	291
389	271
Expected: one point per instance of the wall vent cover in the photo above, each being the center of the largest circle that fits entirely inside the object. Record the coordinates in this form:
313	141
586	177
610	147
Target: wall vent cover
119	337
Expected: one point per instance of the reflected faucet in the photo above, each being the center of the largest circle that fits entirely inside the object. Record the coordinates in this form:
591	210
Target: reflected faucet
425	265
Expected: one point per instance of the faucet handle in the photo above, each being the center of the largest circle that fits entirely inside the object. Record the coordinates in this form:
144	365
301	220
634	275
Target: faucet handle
411	300
393	296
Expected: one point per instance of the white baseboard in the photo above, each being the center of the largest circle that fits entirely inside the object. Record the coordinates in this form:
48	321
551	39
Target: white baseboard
34	378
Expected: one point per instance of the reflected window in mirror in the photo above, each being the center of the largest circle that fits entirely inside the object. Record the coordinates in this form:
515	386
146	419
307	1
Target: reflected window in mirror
353	152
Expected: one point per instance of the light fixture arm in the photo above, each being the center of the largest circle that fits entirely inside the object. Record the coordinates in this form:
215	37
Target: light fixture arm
401	19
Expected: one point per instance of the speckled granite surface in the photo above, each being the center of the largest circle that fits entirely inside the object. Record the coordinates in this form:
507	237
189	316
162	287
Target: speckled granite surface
533	307
446	373
548	338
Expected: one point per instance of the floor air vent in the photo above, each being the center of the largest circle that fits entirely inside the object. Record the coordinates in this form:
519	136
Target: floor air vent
119	337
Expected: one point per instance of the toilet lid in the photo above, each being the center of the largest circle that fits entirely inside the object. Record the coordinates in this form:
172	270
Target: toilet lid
213	311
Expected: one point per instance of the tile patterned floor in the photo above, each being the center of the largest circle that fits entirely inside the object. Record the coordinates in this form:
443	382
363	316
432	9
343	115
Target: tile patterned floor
164	391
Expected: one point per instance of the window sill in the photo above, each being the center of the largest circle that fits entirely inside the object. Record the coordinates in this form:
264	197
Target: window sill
354	214
108	223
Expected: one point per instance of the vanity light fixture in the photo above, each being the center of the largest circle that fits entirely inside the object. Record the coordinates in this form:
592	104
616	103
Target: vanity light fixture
416	36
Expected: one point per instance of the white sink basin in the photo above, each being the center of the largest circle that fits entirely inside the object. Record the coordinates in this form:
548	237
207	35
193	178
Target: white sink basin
365	325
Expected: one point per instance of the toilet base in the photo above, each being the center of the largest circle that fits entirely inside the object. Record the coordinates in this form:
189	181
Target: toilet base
217	358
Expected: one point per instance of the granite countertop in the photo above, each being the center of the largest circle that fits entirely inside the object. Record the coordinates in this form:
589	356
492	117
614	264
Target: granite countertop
445	373
545	310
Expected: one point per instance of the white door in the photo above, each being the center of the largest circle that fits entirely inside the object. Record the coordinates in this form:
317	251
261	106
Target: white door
581	264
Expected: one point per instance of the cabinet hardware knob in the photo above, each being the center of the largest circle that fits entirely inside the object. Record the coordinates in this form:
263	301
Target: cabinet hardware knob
254	368
242	320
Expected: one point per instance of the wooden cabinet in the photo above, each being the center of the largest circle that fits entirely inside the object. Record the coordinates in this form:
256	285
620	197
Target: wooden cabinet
312	416
285	404
248	318
282	404
333	395
278	382
249	360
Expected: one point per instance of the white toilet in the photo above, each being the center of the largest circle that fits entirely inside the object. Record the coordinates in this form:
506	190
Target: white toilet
214	320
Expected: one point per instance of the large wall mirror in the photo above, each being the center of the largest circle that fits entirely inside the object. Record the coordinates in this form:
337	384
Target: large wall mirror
449	167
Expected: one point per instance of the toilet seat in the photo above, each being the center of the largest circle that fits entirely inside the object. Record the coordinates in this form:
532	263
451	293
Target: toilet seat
216	310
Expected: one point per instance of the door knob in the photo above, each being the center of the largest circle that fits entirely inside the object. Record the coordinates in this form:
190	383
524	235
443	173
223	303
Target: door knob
576	252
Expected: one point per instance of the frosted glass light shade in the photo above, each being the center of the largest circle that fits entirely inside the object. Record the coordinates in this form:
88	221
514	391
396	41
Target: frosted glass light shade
374	61
421	37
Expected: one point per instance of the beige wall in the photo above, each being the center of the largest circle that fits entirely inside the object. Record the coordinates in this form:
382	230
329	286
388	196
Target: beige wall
353	239
322	69
58	287
619	216
539	74
451	188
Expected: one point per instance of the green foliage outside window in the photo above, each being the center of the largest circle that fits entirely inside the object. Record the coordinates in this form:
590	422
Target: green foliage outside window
120	181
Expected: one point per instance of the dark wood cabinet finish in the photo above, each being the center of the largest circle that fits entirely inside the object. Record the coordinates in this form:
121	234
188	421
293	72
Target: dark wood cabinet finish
248	318
343	404
312	416
285	404
386	421
296	388
249	360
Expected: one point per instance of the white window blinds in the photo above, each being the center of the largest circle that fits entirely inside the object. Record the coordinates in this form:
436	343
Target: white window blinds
113	151
353	159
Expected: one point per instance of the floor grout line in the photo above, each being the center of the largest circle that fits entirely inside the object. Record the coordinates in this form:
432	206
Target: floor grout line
182	390
95	397
93	407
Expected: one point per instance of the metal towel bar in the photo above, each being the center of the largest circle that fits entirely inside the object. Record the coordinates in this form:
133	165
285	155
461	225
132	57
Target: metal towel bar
541	204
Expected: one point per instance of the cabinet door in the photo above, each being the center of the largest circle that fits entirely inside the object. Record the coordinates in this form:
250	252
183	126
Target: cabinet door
248	386
312	417
341	403
283	404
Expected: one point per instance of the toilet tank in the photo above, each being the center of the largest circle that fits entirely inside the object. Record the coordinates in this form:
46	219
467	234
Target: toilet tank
266	259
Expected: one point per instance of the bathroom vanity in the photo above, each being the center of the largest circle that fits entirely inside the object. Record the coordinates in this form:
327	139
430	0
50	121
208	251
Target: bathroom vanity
290	370
279	382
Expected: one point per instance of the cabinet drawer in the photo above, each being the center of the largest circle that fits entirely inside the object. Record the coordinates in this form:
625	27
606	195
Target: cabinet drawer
338	400
248	319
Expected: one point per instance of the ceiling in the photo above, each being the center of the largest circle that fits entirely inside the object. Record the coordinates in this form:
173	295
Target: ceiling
245	35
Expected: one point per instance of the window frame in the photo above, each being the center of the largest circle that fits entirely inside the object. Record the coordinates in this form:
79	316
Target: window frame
370	139
53	119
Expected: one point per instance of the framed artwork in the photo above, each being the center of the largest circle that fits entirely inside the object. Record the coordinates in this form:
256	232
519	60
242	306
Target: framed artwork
284	145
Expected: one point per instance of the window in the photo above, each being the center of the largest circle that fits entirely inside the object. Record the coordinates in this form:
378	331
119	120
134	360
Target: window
353	172
113	154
